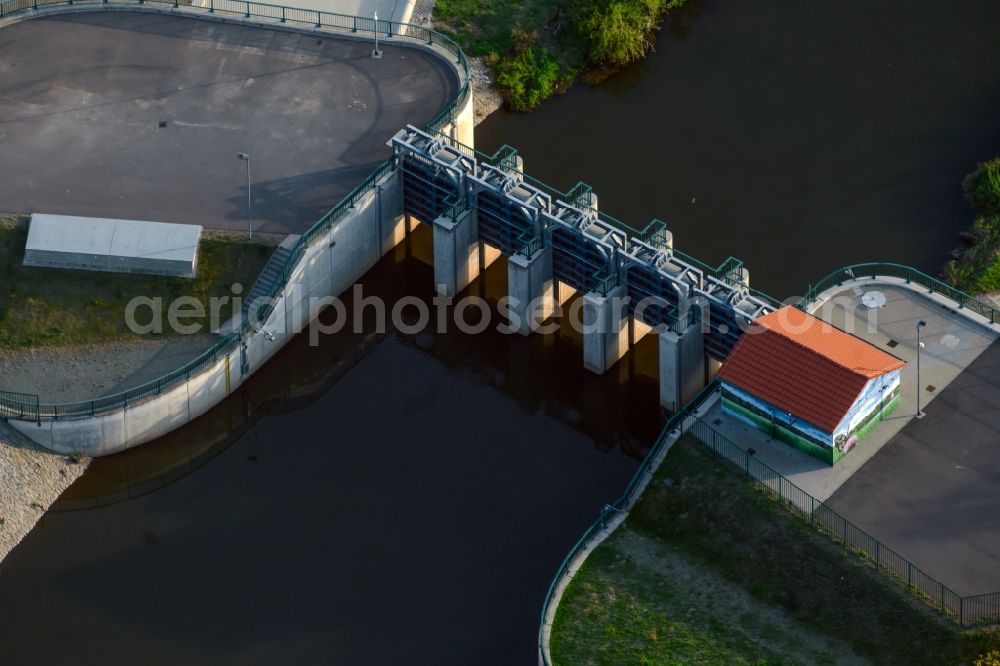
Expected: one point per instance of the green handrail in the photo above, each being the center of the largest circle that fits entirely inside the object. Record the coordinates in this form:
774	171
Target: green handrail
27	406
621	504
908	275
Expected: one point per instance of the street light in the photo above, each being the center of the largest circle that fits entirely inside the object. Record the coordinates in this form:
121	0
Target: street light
376	53
245	157
920	325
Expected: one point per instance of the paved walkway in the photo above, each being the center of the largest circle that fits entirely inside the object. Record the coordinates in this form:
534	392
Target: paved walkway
933	493
127	137
928	488
951	343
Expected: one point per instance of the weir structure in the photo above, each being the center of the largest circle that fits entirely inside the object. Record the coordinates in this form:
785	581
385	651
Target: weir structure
632	280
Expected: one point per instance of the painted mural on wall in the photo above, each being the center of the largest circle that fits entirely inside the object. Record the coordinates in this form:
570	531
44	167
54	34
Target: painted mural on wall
878	398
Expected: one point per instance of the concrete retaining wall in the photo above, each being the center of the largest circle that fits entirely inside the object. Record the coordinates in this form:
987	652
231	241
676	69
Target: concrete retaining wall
329	267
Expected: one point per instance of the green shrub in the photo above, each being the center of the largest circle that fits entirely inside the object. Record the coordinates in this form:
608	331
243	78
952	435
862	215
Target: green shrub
991	658
528	78
979	268
982	187
618	32
989	279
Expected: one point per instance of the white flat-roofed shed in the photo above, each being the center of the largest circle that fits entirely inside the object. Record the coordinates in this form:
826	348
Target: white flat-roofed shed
117	246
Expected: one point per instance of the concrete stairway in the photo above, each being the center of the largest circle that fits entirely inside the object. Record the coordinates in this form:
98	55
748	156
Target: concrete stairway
268	277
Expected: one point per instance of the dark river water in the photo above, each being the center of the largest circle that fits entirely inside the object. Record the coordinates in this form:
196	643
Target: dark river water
809	135
396	499
405	499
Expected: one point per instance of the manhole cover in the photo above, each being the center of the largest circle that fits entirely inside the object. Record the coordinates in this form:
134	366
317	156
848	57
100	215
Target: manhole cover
931	388
717	422
891	343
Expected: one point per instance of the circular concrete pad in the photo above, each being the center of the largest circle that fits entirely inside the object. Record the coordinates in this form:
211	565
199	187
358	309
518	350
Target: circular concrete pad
140	115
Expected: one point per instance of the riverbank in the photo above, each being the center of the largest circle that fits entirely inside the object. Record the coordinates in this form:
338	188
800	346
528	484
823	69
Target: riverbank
31	479
541	47
708	569
976	268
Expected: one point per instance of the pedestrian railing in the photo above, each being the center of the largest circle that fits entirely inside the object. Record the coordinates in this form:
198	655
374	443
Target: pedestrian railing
966	611
27	407
909	276
620	505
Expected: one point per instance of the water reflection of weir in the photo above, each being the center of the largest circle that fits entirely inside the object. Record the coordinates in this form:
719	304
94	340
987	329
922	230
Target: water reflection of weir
541	372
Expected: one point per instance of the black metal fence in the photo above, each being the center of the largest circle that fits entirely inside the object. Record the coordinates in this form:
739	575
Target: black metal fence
966	611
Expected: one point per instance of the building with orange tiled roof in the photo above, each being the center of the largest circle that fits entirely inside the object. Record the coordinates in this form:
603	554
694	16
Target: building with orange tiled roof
809	383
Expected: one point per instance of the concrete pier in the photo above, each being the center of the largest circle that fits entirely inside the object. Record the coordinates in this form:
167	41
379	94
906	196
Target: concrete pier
605	329
457	252
682	365
532	290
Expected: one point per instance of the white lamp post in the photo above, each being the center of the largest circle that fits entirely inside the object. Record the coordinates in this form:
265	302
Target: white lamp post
376	53
920	325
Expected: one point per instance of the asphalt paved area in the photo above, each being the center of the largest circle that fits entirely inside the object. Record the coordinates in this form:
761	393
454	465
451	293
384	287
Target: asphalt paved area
84	99
933	492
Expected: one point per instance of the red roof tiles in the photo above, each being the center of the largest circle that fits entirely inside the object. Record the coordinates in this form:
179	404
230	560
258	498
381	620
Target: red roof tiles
805	366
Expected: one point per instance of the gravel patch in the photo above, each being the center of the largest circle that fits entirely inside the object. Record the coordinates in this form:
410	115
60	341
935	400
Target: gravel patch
31	479
85	372
486	98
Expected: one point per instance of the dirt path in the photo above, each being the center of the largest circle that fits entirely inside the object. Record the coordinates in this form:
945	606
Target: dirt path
702	592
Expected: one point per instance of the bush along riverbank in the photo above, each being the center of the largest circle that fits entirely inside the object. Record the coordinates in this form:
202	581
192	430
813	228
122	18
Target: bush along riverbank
540	47
977	268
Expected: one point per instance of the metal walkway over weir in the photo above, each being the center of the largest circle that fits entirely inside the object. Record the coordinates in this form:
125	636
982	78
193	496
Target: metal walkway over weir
591	251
